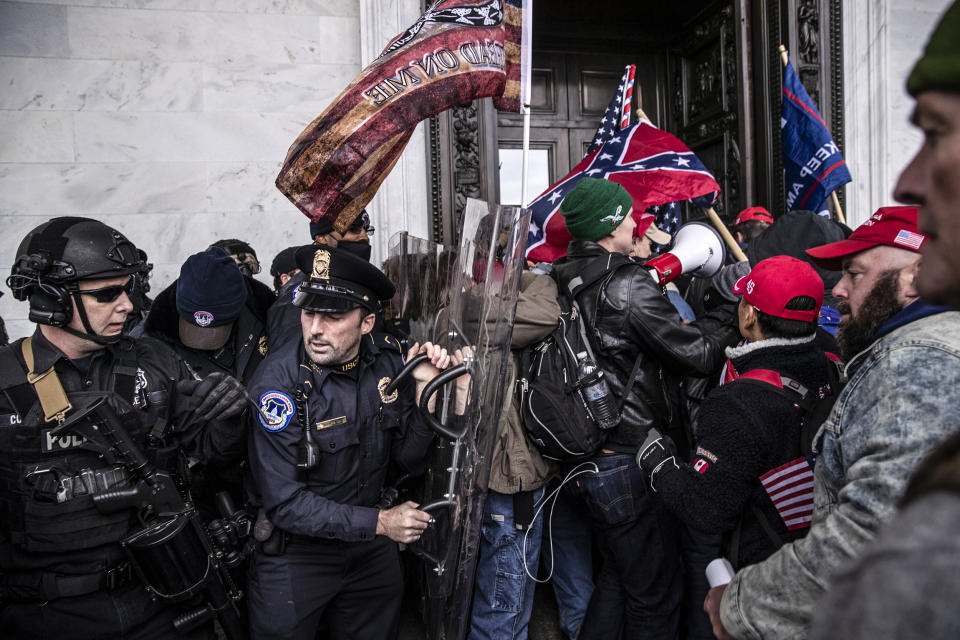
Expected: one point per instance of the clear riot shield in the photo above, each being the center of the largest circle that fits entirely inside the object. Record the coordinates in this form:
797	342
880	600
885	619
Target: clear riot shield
457	298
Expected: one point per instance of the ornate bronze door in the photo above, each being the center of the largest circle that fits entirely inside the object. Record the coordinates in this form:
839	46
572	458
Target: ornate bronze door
708	71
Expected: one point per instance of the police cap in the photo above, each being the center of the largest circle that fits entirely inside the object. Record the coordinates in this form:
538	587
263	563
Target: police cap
339	281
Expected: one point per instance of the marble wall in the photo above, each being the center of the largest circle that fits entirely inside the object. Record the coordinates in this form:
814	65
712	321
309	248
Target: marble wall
882	41
169	119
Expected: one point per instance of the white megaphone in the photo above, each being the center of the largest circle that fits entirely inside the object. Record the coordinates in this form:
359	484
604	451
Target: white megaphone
697	249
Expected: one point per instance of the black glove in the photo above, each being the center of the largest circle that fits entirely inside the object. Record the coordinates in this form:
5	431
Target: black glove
657	455
216	397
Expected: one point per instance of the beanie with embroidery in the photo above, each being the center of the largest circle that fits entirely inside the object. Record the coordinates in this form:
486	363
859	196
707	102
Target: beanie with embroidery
595	208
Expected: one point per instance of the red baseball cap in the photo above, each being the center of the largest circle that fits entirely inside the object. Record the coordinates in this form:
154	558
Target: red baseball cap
754	213
646	227
890	226
776	281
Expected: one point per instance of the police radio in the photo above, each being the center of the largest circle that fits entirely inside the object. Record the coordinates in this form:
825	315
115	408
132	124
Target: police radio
308	452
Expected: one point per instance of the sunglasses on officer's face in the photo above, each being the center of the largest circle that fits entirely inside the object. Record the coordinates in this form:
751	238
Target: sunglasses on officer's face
111	293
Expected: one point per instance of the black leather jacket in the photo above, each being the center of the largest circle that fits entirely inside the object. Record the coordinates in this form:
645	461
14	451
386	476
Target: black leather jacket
627	315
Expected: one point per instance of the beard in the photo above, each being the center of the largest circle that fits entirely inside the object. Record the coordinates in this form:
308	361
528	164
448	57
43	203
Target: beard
858	332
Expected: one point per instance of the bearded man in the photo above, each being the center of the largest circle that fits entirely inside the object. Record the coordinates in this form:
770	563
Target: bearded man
903	365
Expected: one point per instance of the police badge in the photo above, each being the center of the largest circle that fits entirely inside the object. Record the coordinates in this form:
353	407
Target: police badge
321	265
382	386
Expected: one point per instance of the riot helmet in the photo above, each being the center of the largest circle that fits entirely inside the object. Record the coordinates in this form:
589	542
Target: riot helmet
54	256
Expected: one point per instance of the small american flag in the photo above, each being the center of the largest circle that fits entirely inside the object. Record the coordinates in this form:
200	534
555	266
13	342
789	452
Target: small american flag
617	115
790	487
909	239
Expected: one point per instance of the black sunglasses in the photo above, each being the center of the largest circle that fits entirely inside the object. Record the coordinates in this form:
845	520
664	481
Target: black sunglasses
111	293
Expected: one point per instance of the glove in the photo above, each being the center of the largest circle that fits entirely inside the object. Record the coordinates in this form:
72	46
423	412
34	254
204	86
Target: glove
216	397
658	456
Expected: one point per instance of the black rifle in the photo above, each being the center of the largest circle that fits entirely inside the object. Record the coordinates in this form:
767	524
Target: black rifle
172	552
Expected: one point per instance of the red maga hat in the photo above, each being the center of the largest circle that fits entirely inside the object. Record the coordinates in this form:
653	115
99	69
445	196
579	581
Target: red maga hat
754	213
890	226
776	281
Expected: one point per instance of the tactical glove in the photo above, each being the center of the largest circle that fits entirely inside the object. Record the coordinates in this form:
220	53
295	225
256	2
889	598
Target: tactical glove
657	456
216	397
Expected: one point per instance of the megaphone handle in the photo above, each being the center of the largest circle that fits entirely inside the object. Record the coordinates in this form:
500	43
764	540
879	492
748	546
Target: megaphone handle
729	239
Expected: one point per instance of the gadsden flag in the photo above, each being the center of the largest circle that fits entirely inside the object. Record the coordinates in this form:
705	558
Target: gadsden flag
459	50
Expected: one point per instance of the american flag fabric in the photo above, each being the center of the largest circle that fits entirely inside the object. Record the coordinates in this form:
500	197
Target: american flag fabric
812	163
617	116
518	20
790	487
909	239
654	166
458	51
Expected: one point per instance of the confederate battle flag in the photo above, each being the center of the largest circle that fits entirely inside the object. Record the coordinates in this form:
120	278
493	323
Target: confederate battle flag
459	50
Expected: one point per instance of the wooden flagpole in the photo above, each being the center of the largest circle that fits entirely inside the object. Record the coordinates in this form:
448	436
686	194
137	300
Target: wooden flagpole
714	218
834	201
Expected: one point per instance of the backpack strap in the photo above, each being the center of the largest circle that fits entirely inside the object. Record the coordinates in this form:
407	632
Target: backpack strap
602	267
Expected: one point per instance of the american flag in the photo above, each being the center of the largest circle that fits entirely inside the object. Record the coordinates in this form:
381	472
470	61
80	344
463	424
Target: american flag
909	239
790	487
458	51
654	166
617	115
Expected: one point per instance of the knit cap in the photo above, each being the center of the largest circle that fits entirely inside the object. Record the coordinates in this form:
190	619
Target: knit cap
595	208
939	68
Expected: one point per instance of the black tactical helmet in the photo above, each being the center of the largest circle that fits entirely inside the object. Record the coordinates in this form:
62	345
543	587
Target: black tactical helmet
55	255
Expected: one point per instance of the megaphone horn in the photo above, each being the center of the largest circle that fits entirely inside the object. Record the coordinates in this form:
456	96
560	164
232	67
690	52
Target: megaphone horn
697	249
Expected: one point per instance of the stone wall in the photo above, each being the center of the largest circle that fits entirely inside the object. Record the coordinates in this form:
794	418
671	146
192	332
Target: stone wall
169	119
882	41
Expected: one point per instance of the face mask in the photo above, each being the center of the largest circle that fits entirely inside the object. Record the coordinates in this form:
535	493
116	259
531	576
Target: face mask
357	248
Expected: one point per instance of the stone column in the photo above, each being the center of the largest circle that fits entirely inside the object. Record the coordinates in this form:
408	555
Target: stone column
401	203
882	41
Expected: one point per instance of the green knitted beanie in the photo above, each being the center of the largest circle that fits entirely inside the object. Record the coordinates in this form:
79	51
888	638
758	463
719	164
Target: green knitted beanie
595	208
939	68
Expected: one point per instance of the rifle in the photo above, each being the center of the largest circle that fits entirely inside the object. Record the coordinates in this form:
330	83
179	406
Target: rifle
172	552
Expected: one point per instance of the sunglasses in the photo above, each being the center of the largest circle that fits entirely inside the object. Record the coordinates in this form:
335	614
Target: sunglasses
111	293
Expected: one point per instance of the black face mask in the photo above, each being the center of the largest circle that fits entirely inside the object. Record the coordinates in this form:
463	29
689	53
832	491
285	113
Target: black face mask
358	248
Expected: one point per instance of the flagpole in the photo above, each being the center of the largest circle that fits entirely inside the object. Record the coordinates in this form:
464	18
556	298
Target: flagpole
834	201
714	218
725	234
526	153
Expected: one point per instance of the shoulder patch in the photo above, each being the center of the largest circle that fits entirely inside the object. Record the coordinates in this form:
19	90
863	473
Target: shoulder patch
276	411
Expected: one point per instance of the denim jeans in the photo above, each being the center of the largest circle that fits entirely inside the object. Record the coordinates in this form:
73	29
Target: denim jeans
639	587
503	595
572	561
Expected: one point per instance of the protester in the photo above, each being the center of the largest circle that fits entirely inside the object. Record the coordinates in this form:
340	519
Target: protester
751	428
319	453
242	253
63	571
750	223
510	536
903	360
638	590
906	584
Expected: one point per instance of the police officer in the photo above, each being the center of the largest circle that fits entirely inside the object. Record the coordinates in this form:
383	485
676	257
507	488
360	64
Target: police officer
327	395
283	319
62	569
213	318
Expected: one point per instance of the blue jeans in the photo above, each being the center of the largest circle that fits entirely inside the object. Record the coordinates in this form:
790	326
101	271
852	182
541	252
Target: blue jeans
503	595
572	562
640	584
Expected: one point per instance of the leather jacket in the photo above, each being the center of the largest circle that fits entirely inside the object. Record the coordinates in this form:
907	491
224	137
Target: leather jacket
627	315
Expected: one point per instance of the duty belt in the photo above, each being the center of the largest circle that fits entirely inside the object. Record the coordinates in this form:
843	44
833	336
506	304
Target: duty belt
50	484
46	585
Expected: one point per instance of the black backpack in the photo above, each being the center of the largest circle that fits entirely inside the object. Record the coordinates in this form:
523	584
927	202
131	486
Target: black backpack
553	409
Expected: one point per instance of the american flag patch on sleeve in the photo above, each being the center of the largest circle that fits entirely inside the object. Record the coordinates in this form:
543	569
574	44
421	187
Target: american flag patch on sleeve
790	487
909	239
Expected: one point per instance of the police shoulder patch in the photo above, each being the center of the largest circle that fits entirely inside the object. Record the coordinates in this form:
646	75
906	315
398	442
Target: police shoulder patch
276	411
